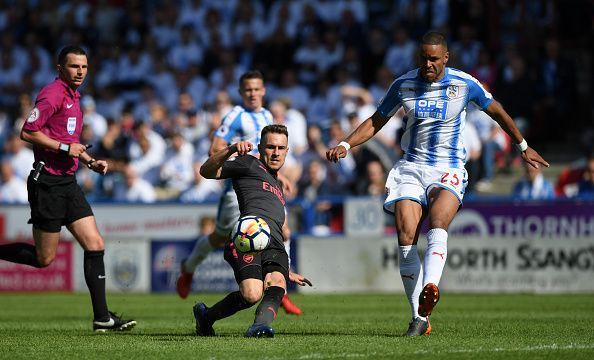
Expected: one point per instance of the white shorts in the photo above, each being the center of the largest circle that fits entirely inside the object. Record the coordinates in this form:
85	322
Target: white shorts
411	181
228	211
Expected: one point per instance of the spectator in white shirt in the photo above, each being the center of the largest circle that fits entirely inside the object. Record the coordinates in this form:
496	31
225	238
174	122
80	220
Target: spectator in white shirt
92	118
147	153
134	188
289	88
187	52
282	113
202	189
13	190
401	55
20	156
177	171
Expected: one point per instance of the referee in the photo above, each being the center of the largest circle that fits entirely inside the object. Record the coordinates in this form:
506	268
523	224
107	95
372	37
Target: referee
54	127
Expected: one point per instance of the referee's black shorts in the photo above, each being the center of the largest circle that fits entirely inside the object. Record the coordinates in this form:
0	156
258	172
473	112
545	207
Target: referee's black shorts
256	266
56	201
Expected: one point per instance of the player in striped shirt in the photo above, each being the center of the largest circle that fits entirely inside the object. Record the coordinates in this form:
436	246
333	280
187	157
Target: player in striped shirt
430	179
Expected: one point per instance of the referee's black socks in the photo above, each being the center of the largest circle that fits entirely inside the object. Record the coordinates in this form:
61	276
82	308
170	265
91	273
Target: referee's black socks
95	279
19	253
266	311
231	304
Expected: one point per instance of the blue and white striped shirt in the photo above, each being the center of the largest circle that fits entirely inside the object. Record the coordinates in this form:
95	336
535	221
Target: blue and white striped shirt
436	115
243	125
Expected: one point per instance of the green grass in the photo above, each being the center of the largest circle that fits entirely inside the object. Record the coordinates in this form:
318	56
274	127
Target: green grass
58	326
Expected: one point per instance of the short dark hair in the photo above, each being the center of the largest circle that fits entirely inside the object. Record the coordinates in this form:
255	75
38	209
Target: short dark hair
434	38
251	74
274	129
70	49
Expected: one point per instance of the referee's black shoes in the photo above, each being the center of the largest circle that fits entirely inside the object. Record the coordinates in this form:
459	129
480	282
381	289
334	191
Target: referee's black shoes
115	323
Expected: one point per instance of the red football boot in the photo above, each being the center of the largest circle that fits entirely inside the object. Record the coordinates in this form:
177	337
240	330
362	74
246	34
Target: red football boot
290	307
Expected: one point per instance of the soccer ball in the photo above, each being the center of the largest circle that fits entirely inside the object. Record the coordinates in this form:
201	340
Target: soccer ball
251	234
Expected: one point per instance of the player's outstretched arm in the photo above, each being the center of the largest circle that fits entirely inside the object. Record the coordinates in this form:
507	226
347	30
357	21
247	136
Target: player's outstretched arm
211	169
362	133
531	156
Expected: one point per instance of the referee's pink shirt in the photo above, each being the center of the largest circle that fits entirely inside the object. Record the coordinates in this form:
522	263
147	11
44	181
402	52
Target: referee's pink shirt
57	114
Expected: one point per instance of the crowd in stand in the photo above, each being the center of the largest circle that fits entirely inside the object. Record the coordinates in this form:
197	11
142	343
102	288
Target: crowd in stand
164	73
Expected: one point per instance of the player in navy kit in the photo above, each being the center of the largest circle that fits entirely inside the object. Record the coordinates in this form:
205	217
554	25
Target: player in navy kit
54	127
430	180
264	275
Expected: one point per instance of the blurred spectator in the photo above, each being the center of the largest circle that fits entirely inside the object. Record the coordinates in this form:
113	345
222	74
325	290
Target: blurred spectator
19	155
319	110
401	54
586	186
316	147
163	83
485	70
5	128
309	57
374	182
332	50
465	52
194	127
147	153
177	172
282	113
247	21
556	90
297	95
13	190
495	145
472	143
10	79
187	52
93	119
515	89
534	186
313	186
379	87
202	189
373	54
133	188
342	174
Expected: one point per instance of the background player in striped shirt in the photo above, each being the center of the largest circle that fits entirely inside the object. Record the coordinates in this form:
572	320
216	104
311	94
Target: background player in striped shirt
430	180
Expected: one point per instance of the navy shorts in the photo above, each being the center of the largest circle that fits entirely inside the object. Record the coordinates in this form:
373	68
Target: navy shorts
256	266
56	201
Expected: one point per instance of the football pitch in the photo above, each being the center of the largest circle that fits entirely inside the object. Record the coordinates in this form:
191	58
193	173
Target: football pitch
58	326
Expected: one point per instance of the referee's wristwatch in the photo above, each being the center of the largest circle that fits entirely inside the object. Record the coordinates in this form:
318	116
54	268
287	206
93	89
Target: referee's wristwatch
64	148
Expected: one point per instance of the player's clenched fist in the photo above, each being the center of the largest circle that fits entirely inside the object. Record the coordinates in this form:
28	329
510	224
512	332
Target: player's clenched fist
243	147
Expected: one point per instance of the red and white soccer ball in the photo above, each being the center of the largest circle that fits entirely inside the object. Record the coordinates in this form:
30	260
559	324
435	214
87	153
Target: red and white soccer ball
251	234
